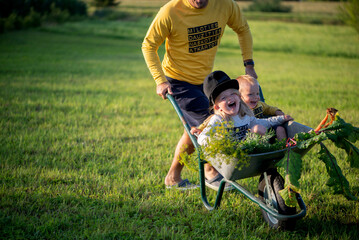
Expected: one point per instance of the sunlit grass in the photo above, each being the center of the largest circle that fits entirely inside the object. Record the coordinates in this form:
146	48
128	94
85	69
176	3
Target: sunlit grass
85	141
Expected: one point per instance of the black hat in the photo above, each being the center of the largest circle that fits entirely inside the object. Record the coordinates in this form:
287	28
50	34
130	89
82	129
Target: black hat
217	82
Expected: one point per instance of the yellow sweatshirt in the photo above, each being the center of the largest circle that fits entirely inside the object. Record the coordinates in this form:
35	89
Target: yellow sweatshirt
192	39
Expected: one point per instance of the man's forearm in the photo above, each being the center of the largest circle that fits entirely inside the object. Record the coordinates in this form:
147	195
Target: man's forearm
246	43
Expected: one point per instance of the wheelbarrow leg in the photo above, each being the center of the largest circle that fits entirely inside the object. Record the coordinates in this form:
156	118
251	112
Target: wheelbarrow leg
203	188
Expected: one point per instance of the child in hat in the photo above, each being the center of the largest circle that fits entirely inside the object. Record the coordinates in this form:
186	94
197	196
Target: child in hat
225	99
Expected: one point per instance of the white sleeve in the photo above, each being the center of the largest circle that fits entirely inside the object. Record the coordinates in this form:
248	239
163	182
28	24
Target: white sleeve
204	135
267	122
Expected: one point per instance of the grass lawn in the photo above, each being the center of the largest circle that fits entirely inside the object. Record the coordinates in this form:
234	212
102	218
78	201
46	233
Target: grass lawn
85	143
301	11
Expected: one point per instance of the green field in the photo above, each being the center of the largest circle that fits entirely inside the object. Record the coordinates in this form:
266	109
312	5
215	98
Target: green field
85	143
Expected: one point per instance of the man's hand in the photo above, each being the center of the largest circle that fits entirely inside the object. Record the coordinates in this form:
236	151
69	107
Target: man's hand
250	71
163	88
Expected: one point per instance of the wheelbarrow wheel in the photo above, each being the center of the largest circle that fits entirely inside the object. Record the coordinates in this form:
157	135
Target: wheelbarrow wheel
276	183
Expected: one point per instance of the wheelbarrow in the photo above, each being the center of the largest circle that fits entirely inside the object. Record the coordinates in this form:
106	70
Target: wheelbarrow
272	206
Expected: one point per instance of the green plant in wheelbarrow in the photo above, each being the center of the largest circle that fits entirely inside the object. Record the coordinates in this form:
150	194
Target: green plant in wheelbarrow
232	150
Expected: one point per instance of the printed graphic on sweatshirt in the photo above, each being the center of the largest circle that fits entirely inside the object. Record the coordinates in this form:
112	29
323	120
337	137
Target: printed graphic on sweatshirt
258	112
203	37
240	132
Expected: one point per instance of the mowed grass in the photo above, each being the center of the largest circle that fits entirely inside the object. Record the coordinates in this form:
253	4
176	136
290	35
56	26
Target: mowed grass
85	143
301	11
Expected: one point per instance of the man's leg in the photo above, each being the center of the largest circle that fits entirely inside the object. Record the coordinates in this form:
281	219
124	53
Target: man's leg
194	105
174	174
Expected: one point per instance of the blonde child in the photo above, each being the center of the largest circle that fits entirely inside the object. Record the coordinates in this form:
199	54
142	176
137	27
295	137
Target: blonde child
227	105
224	98
249	90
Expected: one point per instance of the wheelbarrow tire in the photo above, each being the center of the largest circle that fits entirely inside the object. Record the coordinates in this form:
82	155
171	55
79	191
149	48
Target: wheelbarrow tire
276	182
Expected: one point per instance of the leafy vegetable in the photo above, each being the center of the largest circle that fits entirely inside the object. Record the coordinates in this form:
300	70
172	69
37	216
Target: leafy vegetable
292	163
330	112
343	135
305	140
322	123
288	193
352	152
337	180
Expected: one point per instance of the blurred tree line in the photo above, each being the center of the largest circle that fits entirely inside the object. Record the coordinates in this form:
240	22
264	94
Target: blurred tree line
19	14
349	14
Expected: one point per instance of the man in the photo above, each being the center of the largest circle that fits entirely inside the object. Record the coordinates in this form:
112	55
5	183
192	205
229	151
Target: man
192	30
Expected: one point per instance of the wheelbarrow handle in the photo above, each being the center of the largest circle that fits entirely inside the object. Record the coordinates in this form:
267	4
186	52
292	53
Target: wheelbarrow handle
181	117
200	161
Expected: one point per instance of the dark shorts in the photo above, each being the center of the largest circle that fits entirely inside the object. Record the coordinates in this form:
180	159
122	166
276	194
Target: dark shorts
274	128
192	101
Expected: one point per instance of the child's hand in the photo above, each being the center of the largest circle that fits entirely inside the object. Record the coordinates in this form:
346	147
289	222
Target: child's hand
195	131
278	113
288	118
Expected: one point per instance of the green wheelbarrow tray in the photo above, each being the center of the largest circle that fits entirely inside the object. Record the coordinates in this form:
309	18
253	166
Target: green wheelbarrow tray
259	163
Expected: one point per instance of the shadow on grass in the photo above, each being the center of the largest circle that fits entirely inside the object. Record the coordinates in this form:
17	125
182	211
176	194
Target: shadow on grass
150	213
317	227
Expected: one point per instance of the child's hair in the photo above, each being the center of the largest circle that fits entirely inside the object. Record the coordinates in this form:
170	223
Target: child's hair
246	78
243	110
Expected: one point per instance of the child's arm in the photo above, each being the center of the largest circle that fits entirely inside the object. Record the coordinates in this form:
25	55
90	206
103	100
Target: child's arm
195	131
213	121
288	118
279	112
271	121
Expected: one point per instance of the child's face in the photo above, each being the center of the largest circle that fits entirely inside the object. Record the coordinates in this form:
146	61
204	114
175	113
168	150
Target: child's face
228	102
250	94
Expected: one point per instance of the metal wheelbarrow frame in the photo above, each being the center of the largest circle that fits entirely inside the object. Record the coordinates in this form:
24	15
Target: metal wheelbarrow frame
260	164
